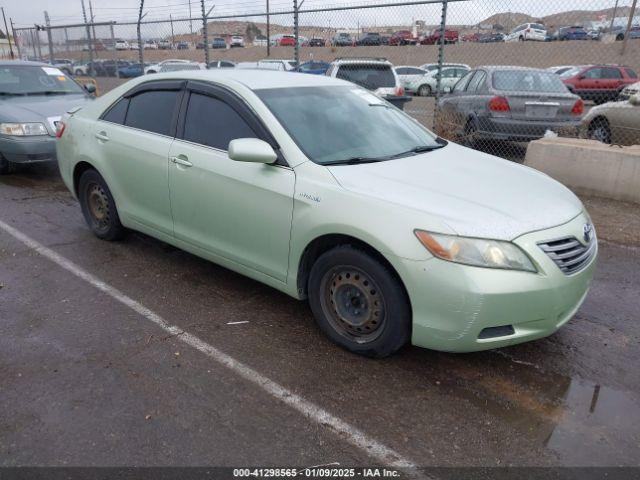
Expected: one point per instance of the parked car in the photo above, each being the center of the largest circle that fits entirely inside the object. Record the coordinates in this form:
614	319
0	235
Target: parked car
313	67
237	41
509	103
33	97
471	37
619	32
374	74
121	44
426	85
614	122
260	41
165	45
111	67
268	64
200	46
594	34
434	66
182	46
287	41
176	67
222	64
150	45
369	39
80	68
218	42
560	69
407	74
450	36
629	91
491	38
527	31
134	46
403	37
155	68
342	39
382	225
315	42
572	33
600	83
132	70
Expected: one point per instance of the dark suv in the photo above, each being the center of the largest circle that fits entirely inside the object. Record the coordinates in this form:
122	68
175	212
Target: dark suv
371	38
600	83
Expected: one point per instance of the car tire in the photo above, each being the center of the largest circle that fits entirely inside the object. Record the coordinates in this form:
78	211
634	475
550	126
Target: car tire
521	39
359	303
600	130
424	91
98	207
79	72
469	138
6	166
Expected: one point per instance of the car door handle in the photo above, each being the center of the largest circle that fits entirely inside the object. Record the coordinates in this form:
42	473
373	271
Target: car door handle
102	136
181	160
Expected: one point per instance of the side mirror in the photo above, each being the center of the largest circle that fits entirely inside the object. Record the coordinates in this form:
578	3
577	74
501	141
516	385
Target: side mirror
90	88
635	100
251	150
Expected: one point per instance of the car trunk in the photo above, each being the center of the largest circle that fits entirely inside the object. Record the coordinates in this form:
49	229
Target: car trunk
539	106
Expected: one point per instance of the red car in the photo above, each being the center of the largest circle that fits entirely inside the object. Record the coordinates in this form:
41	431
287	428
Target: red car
403	37
287	42
450	36
600	83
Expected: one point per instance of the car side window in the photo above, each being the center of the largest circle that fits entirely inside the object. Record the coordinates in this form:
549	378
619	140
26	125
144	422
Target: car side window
477	82
212	122
631	73
463	82
402	71
117	112
593	73
152	111
611	73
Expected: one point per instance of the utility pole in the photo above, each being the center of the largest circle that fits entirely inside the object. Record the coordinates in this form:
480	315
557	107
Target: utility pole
88	31
268	34
190	22
6	29
49	39
140	45
15	39
629	24
296	30
613	17
172	39
205	32
93	27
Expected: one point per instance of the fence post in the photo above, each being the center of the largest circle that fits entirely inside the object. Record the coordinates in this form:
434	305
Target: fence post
49	37
140	45
629	24
268	33
15	39
441	42
296	30
88	31
205	35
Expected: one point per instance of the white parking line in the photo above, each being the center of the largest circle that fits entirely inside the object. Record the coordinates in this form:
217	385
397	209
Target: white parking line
357	438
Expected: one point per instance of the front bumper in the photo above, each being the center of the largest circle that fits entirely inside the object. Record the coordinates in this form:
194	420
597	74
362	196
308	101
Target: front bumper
453	303
520	130
28	149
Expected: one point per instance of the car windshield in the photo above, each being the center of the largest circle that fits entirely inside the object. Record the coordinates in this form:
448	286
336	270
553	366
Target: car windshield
34	80
371	76
527	81
571	72
335	124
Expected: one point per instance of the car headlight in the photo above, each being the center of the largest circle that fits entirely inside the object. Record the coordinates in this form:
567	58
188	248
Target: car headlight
476	251
23	129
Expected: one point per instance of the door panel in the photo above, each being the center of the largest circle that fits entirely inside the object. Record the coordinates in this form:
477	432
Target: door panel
237	210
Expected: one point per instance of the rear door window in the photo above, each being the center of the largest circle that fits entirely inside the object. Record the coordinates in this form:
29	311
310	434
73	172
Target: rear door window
611	73
463	82
214	123
593	73
152	111
631	73
477	82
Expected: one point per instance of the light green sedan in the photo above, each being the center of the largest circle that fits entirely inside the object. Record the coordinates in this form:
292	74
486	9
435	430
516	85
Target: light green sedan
324	191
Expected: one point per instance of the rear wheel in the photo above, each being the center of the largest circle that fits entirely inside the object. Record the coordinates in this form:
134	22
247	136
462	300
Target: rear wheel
358	303
599	130
98	207
521	39
79	72
424	91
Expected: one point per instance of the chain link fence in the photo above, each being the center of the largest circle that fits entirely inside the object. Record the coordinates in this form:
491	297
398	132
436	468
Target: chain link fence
493	75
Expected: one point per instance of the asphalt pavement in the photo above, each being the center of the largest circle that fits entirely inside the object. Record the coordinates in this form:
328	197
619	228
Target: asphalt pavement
136	353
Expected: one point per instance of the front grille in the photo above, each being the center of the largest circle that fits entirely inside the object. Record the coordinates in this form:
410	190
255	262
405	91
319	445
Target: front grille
569	254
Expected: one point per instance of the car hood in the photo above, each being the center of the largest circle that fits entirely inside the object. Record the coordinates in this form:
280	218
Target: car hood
475	194
38	108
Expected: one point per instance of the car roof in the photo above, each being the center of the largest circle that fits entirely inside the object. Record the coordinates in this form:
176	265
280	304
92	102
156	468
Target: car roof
253	79
9	63
493	68
362	60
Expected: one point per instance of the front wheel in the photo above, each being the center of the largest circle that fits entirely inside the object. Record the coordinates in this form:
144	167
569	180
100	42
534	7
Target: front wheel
359	303
98	207
599	130
424	91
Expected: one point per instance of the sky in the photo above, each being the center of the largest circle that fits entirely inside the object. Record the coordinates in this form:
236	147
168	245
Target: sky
27	12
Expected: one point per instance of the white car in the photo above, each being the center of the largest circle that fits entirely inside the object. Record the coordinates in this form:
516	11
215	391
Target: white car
122	45
180	66
434	66
236	41
150	45
134	46
155	68
526	32
270	64
425	85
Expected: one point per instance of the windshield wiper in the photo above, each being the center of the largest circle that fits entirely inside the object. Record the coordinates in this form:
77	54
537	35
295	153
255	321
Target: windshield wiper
418	149
355	160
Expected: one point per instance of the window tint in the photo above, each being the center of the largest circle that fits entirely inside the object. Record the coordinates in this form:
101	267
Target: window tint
537	26
370	76
117	112
593	73
631	73
152	111
477	82
611	73
464	81
214	123
402	71
528	81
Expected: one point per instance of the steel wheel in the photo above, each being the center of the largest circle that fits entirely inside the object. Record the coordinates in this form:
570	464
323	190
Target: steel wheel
353	303
599	130
98	203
